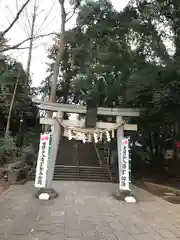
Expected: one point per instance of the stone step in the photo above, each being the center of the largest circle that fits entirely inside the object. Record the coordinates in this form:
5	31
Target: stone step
81	179
88	168
64	179
65	173
82	174
95	174
59	178
72	169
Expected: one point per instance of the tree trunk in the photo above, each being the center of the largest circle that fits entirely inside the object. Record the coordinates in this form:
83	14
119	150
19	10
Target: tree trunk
10	109
60	52
31	40
61	46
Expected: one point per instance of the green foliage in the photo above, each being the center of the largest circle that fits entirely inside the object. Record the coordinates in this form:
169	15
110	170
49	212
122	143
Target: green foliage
116	57
7	149
12	72
96	58
131	58
9	74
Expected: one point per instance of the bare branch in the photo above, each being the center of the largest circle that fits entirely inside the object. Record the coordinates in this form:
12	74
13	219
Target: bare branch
41	29
45	18
7	19
15	19
18	45
17	5
24	48
28	20
24	27
31	42
10	12
71	14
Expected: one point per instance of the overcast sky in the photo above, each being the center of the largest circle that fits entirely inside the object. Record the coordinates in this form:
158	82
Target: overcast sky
45	24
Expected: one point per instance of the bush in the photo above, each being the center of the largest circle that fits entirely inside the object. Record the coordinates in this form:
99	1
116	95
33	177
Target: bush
7	149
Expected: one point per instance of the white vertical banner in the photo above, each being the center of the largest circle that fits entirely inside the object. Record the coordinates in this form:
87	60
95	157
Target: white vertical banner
42	162
124	174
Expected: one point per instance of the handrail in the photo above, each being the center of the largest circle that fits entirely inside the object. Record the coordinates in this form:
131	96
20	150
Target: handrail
98	155
110	174
77	160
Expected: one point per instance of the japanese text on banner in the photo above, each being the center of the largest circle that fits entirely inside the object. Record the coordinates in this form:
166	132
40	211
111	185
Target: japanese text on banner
41	169
124	175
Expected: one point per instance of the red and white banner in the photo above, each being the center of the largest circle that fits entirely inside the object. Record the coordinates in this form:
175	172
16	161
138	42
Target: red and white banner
124	169
42	162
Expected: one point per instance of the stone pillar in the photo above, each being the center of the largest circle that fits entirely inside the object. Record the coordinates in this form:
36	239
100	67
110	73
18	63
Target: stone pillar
52	161
120	136
53	153
120	194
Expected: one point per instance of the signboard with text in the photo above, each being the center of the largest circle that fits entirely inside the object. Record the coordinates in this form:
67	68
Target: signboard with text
42	163
124	174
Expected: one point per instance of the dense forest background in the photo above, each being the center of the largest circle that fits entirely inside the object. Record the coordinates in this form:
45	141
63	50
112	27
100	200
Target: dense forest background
124	59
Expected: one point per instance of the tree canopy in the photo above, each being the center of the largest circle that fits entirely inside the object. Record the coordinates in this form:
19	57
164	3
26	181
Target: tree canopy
128	59
121	57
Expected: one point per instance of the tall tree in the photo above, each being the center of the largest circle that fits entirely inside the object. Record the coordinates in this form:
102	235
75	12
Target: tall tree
98	57
163	74
61	44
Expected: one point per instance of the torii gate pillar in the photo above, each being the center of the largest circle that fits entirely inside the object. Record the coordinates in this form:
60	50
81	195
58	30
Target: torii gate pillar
120	136
122	194
52	161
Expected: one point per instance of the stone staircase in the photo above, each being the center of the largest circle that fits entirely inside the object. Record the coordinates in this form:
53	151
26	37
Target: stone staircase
73	153
86	155
81	173
67	153
65	173
79	161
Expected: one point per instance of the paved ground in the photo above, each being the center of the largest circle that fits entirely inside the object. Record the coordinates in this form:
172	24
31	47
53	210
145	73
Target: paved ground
85	211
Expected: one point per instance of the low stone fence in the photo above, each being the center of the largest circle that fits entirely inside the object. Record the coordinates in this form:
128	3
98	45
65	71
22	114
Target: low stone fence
17	171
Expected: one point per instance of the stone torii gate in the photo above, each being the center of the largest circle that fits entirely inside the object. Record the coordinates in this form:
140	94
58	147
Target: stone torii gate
58	123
